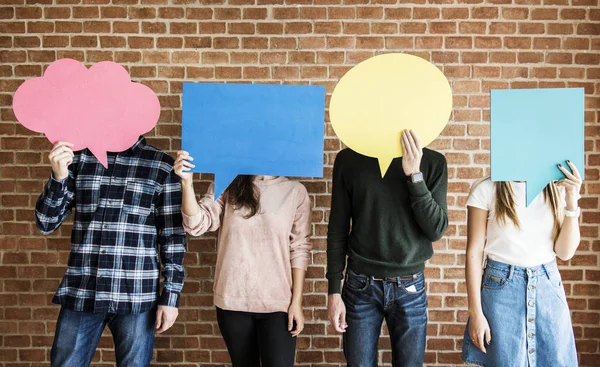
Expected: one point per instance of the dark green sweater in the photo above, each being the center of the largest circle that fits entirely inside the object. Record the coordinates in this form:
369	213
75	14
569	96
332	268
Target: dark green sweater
393	221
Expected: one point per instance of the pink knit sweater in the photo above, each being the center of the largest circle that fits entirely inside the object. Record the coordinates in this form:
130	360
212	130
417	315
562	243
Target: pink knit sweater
255	256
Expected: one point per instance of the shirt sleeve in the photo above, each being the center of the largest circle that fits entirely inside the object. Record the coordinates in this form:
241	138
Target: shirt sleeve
429	202
300	245
208	218
481	194
171	239
339	228
55	203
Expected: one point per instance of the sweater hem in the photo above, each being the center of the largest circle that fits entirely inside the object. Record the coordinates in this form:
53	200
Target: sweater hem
254	305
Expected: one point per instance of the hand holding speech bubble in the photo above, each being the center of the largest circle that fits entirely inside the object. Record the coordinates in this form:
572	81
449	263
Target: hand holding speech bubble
253	129
100	109
533	130
381	97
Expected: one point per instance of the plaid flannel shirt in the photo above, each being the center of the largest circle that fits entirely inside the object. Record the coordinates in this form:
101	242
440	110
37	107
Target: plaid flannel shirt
124	217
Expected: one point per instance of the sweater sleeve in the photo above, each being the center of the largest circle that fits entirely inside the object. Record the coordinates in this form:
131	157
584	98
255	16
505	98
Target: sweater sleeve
338	229
300	245
429	203
208	218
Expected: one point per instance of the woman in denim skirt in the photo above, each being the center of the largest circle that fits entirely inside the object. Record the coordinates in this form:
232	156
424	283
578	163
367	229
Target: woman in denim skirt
518	312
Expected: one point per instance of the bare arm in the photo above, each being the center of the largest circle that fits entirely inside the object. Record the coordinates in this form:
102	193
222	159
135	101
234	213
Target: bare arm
295	312
568	240
476	234
198	218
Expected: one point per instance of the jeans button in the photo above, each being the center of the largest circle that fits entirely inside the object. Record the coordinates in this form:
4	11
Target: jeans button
531	303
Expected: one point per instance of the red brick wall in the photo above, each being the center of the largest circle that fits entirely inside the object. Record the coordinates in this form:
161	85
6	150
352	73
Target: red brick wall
479	46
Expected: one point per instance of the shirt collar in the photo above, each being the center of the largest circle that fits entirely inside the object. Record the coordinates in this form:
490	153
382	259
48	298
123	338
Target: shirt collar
139	145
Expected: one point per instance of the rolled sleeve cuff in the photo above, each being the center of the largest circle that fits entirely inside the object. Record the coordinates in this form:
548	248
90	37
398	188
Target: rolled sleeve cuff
170	299
300	263
190	222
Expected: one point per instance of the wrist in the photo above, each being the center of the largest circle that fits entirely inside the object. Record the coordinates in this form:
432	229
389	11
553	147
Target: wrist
296	301
473	312
571	205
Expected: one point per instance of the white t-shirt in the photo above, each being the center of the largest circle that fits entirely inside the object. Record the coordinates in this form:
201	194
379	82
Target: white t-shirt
532	244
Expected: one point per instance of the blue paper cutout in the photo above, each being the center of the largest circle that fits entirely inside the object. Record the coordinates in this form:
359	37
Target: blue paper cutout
533	130
253	129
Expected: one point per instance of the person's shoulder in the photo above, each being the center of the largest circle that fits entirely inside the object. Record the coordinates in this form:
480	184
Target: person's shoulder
483	185
347	154
164	160
433	156
296	187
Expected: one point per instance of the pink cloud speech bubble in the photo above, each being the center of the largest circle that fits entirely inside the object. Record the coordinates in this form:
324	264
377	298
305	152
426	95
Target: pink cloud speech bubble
100	109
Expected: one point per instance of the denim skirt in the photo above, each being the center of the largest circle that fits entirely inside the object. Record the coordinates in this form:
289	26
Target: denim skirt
529	319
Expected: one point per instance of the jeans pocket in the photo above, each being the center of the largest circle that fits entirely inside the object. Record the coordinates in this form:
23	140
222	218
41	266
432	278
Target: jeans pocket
493	279
415	286
356	282
557	286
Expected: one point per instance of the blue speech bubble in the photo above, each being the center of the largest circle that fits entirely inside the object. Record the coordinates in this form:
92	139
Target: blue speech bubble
533	130
253	129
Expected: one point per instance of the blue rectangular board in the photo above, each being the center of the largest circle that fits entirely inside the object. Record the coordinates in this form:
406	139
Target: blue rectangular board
253	129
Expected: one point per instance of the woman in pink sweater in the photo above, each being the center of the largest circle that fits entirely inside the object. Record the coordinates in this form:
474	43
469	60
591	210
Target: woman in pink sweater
263	225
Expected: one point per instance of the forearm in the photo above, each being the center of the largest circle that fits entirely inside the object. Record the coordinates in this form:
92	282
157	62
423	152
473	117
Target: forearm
568	240
298	276
474	273
336	261
189	206
429	210
172	254
53	205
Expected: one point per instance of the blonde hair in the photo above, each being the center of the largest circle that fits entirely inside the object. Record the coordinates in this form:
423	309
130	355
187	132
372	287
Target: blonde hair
505	205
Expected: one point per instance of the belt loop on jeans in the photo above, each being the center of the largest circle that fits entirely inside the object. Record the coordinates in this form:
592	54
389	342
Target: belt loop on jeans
511	269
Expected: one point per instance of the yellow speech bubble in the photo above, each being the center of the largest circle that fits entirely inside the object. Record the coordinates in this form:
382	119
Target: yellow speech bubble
381	97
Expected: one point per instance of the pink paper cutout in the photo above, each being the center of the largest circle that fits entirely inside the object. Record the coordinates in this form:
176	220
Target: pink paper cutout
100	109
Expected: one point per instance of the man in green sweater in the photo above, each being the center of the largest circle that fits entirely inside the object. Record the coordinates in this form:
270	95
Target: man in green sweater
394	220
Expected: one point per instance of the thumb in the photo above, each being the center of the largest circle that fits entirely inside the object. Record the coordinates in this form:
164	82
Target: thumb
290	321
159	318
343	319
488	335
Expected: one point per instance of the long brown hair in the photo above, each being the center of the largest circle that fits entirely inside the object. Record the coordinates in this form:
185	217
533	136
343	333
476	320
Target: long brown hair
242	193
505	205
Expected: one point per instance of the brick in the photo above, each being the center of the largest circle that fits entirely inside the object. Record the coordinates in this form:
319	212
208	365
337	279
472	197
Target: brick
154	27
141	13
40	27
544	14
126	27
27	41
517	42
96	27
86	12
29	12
113	12
484	13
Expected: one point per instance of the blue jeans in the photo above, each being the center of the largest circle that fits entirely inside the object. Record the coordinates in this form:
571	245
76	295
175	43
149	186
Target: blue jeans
403	304
78	333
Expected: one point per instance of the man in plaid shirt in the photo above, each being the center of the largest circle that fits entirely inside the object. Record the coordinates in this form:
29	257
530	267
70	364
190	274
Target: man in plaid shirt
125	216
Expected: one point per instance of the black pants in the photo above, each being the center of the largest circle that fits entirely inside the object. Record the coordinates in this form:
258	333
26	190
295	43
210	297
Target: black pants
257	339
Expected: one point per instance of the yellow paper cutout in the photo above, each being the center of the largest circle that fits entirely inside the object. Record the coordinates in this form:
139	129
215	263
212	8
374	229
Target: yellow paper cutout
381	97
